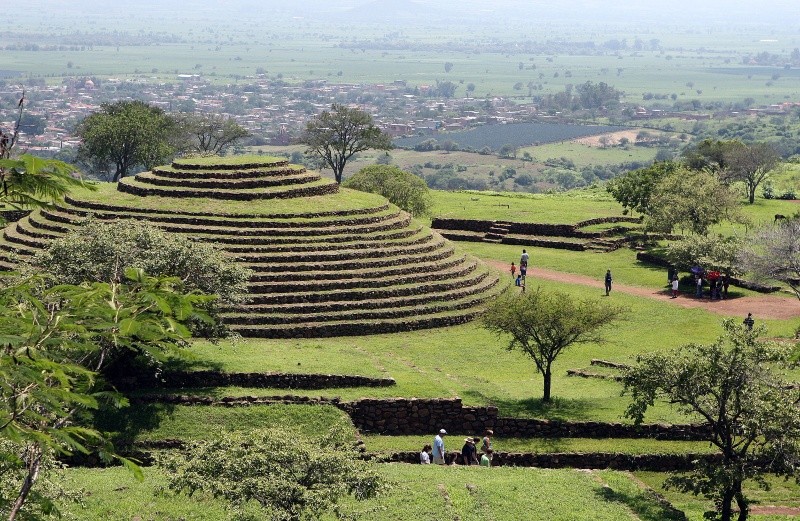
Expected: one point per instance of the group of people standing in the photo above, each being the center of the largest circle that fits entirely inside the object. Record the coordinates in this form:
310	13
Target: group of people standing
437	455
523	270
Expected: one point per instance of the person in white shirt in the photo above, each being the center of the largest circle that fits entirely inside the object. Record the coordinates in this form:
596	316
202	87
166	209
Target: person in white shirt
438	448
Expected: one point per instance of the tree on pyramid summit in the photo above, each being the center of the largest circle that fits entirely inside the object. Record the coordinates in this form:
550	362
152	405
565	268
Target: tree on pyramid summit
335	136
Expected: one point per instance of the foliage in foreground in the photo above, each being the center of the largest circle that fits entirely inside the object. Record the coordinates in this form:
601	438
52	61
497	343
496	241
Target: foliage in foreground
55	340
99	251
32	182
737	387
543	324
406	190
288	476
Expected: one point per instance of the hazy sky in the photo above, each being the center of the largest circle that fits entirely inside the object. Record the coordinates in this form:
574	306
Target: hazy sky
778	12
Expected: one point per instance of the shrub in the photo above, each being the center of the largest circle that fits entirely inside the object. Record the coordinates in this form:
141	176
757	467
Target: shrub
406	190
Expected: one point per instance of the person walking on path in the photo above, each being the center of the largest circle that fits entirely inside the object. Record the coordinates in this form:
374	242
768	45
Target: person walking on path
749	322
699	292
513	270
523	260
487	441
469	452
438	448
726	281
608	282
675	287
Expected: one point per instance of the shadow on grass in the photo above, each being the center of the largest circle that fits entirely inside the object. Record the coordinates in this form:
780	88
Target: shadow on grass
126	424
556	409
644	504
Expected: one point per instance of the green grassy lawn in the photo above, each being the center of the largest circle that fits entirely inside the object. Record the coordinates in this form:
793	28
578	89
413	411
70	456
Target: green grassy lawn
148	422
389	444
784	493
564	208
585	155
469	362
420	493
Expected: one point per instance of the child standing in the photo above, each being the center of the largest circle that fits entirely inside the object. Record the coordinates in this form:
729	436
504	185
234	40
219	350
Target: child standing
513	270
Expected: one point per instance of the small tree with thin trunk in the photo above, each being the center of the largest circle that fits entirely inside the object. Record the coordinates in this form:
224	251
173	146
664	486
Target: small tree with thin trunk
335	136
543	324
773	253
737	387
750	164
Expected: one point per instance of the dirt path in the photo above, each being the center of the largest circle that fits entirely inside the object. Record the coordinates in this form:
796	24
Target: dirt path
767	306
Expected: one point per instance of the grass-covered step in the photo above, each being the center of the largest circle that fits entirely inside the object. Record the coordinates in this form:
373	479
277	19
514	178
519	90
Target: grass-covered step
24	228
343	203
391	220
353	264
321	187
357	315
466	280
344	253
69	214
268	246
17	249
486	285
288	273
223	183
228	163
303	241
239	173
376	280
13	235
365	327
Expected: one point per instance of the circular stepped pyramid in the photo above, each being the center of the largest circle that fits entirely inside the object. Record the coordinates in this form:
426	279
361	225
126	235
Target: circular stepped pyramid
326	262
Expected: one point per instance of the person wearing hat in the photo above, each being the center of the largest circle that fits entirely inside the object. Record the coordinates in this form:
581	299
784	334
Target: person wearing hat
438	448
469	453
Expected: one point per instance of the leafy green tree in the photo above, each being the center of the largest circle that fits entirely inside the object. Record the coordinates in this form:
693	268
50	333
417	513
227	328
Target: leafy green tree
32	182
750	164
210	133
715	252
404	189
773	253
126	134
634	189
707	154
544	324
690	200
335	136
508	151
286	475
100	251
55	340
737	388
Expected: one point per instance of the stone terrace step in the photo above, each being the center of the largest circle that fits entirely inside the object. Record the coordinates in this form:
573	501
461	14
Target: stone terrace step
67	214
348	328
401	270
240	173
387	312
378	280
323	256
229	184
57	221
354	264
350	295
103	207
321	187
